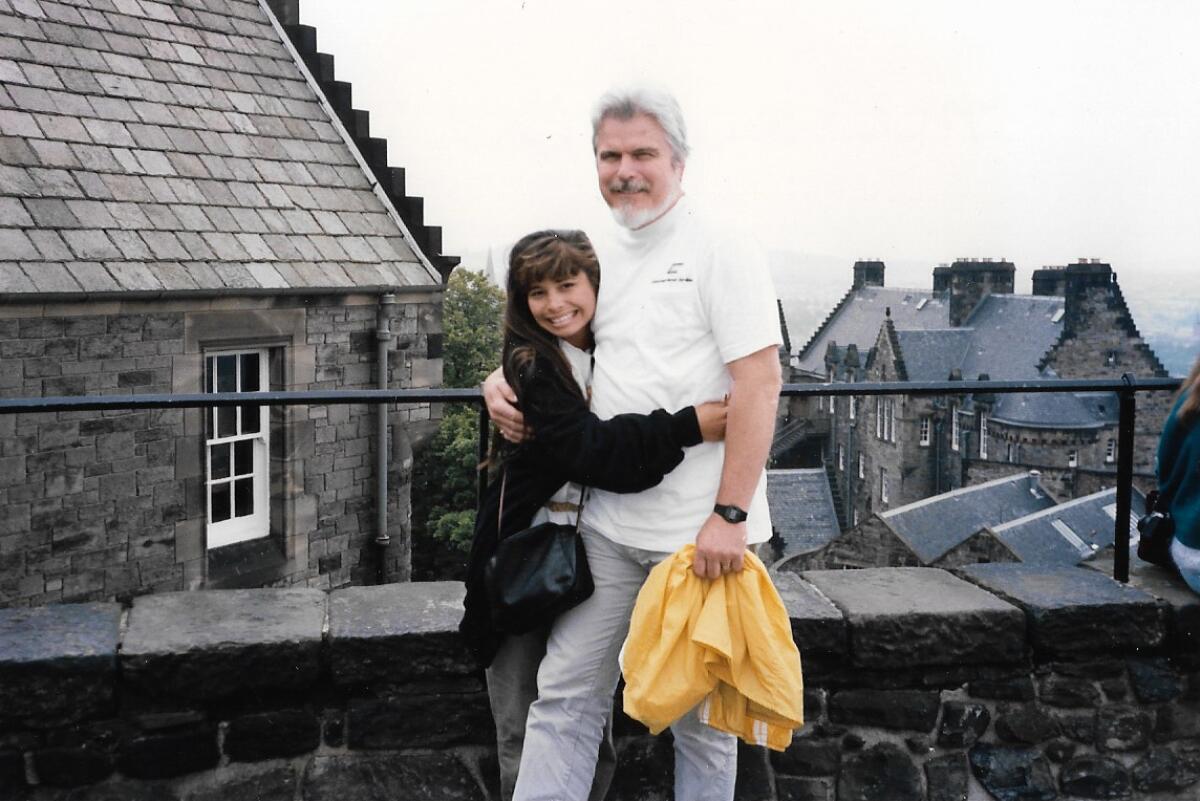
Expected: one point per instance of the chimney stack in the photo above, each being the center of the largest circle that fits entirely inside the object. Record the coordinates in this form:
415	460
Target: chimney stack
868	273
971	280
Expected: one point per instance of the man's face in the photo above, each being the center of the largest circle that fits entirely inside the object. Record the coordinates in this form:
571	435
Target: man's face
639	179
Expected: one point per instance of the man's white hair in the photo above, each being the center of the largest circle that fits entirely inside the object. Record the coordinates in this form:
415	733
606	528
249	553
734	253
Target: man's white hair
627	102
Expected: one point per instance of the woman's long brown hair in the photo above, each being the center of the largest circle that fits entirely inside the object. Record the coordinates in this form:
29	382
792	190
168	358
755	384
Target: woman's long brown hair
540	256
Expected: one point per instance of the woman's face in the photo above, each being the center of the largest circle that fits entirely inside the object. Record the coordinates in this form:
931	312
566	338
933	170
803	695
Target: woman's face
564	308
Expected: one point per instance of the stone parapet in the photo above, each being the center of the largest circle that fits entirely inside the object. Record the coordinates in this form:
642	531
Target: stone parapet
921	684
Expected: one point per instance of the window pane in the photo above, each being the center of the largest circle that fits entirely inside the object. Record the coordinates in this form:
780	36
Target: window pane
251	419
249	372
243	457
220	461
226	421
227	374
208	373
220	502
243	497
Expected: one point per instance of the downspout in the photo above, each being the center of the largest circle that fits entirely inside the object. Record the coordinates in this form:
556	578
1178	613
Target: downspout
383	338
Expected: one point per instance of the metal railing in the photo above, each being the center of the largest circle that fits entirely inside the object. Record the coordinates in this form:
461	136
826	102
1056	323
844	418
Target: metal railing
1125	387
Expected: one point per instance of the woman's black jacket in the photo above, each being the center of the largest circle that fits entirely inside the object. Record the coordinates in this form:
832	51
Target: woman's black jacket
627	453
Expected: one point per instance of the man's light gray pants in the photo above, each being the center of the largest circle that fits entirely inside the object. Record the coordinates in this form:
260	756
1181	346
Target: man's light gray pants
575	689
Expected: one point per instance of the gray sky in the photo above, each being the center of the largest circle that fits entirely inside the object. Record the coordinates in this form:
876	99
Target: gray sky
915	132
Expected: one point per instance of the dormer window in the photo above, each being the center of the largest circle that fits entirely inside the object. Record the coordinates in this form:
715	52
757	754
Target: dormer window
1112	358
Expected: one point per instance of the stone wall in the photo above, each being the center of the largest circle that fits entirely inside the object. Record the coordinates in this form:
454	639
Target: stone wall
109	505
998	681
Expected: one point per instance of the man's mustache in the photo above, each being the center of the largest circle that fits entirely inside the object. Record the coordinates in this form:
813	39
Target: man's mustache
628	186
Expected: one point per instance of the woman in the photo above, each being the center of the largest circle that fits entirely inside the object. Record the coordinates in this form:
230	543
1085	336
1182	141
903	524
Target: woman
1179	477
552	282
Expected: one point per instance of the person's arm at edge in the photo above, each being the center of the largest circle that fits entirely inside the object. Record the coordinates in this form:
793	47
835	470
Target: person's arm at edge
750	426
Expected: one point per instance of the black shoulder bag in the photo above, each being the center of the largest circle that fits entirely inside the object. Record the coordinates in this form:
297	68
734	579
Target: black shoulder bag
536	574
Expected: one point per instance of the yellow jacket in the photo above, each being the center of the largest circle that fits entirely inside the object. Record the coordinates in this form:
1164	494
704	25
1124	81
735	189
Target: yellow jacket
724	642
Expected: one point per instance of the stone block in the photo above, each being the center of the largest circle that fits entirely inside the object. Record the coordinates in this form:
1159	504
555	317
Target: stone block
162	755
1027	725
270	735
416	777
1162	770
884	772
71	767
216	644
1012	774
275	783
1068	693
1075	611
914	710
641	774
789	788
1094	776
962	724
807	756
421	720
818	627
946	777
397	633
1019	688
1154	681
1120	729
58	663
905	617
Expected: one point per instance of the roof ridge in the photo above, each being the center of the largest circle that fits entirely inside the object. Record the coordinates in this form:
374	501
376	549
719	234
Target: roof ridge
1056	508
995	482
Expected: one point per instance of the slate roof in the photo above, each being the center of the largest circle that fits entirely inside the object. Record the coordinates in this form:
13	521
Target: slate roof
1011	335
935	525
858	317
930	355
153	147
1058	410
801	509
1049	537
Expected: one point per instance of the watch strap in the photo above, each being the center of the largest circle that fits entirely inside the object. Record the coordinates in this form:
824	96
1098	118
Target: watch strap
731	513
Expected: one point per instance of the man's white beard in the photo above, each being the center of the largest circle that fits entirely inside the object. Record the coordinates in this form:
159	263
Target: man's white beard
634	218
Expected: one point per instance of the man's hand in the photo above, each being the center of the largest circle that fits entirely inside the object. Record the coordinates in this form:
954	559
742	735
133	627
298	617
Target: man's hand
720	546
711	417
500	400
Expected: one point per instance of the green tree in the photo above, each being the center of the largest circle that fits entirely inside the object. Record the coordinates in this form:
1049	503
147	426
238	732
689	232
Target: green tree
445	477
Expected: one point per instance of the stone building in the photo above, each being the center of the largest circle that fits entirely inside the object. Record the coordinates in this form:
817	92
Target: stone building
189	203
887	451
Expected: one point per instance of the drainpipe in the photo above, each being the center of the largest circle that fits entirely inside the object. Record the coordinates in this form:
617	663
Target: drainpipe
383	338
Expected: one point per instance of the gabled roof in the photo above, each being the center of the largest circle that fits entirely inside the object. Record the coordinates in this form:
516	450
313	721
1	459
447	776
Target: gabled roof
155	147
801	508
930	355
1068	533
935	525
858	317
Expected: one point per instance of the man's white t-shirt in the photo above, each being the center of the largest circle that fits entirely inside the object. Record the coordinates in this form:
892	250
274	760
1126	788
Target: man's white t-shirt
678	300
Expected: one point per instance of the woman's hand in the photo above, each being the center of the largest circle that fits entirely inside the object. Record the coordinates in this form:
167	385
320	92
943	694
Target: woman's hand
711	416
500	400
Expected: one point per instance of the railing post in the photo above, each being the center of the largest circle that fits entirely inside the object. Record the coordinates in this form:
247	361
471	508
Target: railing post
1124	479
484	422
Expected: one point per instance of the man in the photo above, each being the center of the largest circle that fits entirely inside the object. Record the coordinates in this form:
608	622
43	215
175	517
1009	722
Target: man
686	313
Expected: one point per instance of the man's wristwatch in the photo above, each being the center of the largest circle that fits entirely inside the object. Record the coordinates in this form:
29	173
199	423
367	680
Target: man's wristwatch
730	513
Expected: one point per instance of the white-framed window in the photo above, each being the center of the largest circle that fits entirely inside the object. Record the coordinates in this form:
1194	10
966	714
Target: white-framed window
852	409
236	450
854	517
1110	451
883	485
1008	453
841	458
926	425
889	421
983	435
862	465
1073	459
879	403
955	431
